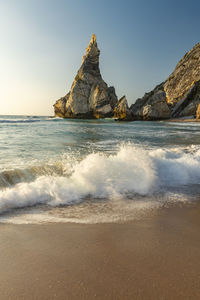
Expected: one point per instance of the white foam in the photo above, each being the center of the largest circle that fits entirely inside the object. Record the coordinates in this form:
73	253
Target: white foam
131	170
176	167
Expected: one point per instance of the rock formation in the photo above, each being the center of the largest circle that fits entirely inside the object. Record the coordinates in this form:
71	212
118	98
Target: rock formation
122	111
185	75
152	106
89	96
183	86
178	96
198	113
187	106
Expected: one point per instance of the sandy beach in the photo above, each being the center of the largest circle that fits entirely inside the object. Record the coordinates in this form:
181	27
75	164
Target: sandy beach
156	257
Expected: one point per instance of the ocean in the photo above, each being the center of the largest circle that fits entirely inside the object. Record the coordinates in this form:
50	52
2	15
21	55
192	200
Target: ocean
94	171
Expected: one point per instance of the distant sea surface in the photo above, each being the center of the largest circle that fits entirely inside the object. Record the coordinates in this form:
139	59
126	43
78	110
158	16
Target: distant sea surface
94	171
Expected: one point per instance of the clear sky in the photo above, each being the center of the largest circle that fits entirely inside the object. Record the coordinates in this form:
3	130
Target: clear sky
43	41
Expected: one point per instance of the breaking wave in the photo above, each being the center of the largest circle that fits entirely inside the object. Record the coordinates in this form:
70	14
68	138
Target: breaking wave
20	121
27	119
129	173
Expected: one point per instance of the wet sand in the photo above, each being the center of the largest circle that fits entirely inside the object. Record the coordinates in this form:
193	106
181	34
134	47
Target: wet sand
157	257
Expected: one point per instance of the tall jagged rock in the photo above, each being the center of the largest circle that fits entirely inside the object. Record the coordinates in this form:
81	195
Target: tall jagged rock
89	96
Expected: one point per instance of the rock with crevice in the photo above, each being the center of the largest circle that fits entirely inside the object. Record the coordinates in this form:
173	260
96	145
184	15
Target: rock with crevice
187	106
89	96
178	96
198	113
122	111
152	106
184	76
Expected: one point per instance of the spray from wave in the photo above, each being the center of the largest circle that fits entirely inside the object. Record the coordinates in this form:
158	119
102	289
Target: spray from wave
131	173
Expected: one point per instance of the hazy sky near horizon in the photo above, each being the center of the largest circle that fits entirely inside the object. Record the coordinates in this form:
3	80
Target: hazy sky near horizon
43	41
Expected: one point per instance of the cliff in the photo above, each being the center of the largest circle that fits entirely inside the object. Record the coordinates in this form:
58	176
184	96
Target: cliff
185	75
152	106
89	96
178	96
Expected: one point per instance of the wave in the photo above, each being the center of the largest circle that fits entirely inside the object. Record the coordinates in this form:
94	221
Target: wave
9	178
28	119
131	171
19	121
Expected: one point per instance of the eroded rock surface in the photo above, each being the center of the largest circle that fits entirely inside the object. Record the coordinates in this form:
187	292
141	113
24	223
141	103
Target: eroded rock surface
152	106
187	106
122	111
198	113
185	75
178	96
89	96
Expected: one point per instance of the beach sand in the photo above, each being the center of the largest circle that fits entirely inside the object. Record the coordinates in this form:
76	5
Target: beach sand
157	257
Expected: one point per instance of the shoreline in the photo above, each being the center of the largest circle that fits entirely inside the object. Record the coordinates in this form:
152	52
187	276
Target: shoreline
183	120
156	257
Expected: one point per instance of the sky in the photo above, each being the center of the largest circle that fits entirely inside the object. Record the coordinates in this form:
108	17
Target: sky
43	41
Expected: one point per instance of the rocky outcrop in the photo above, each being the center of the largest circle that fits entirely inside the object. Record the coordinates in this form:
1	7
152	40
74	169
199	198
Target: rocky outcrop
89	96
183	78
187	106
122	111
198	113
178	96
182	87
152	106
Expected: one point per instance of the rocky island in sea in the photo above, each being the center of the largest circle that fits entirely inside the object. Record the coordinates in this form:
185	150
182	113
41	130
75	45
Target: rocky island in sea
91	98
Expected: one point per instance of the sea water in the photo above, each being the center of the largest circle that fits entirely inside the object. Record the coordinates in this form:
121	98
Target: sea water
91	171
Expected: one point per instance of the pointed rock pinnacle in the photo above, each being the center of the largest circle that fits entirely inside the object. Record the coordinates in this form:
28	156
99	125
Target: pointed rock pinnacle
89	96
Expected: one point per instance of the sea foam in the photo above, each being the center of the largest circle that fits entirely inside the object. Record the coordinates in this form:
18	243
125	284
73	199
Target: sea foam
130	172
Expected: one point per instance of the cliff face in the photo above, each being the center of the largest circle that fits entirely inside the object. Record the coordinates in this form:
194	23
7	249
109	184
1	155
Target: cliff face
186	73
182	87
178	96
187	106
152	106
89	96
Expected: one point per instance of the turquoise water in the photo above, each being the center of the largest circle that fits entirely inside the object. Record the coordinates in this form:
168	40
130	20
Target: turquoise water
56	170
